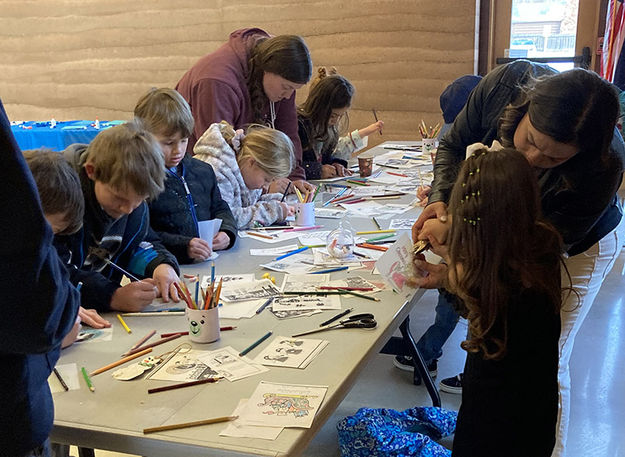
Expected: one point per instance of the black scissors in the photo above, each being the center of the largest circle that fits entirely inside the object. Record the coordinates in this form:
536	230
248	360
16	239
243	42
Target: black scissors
365	321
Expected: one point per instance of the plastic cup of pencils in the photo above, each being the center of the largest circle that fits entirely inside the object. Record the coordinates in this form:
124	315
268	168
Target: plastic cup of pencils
365	166
428	146
203	324
305	214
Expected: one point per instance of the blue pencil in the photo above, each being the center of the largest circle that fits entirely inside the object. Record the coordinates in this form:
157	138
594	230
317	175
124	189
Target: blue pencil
264	305
212	272
254	344
329	270
291	253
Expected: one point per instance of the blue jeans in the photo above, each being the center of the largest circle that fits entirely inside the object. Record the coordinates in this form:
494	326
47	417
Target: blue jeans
40	451
430	344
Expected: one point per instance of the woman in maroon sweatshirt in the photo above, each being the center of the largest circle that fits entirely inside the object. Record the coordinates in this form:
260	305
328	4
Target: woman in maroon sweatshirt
250	79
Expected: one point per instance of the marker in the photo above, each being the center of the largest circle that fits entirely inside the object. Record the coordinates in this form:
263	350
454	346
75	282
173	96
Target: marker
329	270
87	379
121	320
337	317
256	343
291	253
264	305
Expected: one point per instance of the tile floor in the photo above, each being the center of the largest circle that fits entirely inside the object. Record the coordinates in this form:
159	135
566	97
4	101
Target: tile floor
598	397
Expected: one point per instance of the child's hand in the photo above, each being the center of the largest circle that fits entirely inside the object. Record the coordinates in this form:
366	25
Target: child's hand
221	241
73	334
91	318
165	276
341	170
434	231
422	194
287	209
198	249
303	186
279	185
375	127
135	296
429	275
328	171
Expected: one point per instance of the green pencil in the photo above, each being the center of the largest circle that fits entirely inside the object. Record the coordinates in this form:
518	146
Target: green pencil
381	237
87	379
356	294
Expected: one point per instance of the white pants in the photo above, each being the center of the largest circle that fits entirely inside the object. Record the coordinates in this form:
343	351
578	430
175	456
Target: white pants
587	270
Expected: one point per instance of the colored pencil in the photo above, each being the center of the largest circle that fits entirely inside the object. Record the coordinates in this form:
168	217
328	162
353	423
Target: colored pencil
381	237
358	183
255	343
337	317
377	224
260	235
151	345
301	229
143	340
87	379
375	116
114	265
371	232
329	270
120	361
362	289
215	302
58	376
264	305
121	320
288	186
223	329
163	428
155	313
356	294
372	246
183	384
349	202
296	251
396	174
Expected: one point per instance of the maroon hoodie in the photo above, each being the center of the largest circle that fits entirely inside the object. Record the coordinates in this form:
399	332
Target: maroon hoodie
216	89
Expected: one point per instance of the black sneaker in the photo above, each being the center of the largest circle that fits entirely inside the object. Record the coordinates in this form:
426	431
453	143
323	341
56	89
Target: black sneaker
452	385
404	362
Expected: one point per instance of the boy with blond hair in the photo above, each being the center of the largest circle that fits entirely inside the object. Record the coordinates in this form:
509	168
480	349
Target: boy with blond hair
191	192
119	170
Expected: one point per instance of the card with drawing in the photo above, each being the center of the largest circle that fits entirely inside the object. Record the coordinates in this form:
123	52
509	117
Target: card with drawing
395	265
290	352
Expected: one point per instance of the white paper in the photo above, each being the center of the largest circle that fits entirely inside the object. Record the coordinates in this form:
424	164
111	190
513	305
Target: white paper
275	236
395	265
402	224
296	263
290	352
240	310
283	405
227	363
306	302
208	230
238	430
273	252
228	280
69	373
250	291
329	213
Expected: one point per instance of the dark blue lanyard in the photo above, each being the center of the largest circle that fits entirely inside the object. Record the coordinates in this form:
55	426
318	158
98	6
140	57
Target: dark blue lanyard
188	193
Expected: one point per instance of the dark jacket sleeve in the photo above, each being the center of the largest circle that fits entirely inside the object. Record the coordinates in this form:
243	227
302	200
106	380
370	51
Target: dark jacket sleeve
97	290
177	245
39	303
310	162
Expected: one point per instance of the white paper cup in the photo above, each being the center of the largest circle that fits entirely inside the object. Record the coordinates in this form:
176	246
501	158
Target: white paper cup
203	324
305	214
428	145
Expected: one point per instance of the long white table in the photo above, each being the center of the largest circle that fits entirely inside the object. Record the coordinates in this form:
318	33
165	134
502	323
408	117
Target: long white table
114	416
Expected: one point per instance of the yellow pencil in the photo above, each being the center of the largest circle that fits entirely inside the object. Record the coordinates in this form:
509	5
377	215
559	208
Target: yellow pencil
369	232
299	195
121	320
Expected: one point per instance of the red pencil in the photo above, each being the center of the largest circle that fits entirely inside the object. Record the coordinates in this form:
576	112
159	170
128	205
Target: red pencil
396	174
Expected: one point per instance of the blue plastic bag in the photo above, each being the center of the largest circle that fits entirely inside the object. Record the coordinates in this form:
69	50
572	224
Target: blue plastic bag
387	432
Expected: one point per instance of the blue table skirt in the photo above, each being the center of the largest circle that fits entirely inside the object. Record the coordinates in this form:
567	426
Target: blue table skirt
33	135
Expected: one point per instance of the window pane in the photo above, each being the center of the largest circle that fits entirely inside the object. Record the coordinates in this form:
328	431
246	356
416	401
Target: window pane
544	28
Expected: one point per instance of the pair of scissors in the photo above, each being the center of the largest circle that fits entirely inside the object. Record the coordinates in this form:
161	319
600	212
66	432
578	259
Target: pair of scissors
365	321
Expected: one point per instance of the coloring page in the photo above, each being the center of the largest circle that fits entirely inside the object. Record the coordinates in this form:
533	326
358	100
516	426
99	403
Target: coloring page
227	363
250	291
274	252
228	280
306	302
395	265
402	224
283	405
304	283
290	352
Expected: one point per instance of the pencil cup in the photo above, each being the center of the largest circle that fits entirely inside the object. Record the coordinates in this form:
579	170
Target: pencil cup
365	166
305	214
203	324
428	146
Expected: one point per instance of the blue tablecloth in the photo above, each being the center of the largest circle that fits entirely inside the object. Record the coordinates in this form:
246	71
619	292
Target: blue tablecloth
33	135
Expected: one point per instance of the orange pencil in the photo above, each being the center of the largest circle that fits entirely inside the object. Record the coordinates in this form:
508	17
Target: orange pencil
260	235
218	293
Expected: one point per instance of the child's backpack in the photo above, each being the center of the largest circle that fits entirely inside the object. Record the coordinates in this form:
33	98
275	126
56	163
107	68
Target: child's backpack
387	432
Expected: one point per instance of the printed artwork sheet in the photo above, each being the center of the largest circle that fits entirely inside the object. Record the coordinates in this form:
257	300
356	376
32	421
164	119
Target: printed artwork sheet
290	352
306	302
395	265
283	405
250	291
268	236
237	429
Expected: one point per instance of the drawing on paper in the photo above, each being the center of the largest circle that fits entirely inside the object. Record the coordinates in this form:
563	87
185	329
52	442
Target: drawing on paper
287	404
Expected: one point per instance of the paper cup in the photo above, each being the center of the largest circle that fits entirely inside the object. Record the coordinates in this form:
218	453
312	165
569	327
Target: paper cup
203	324
305	214
365	166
